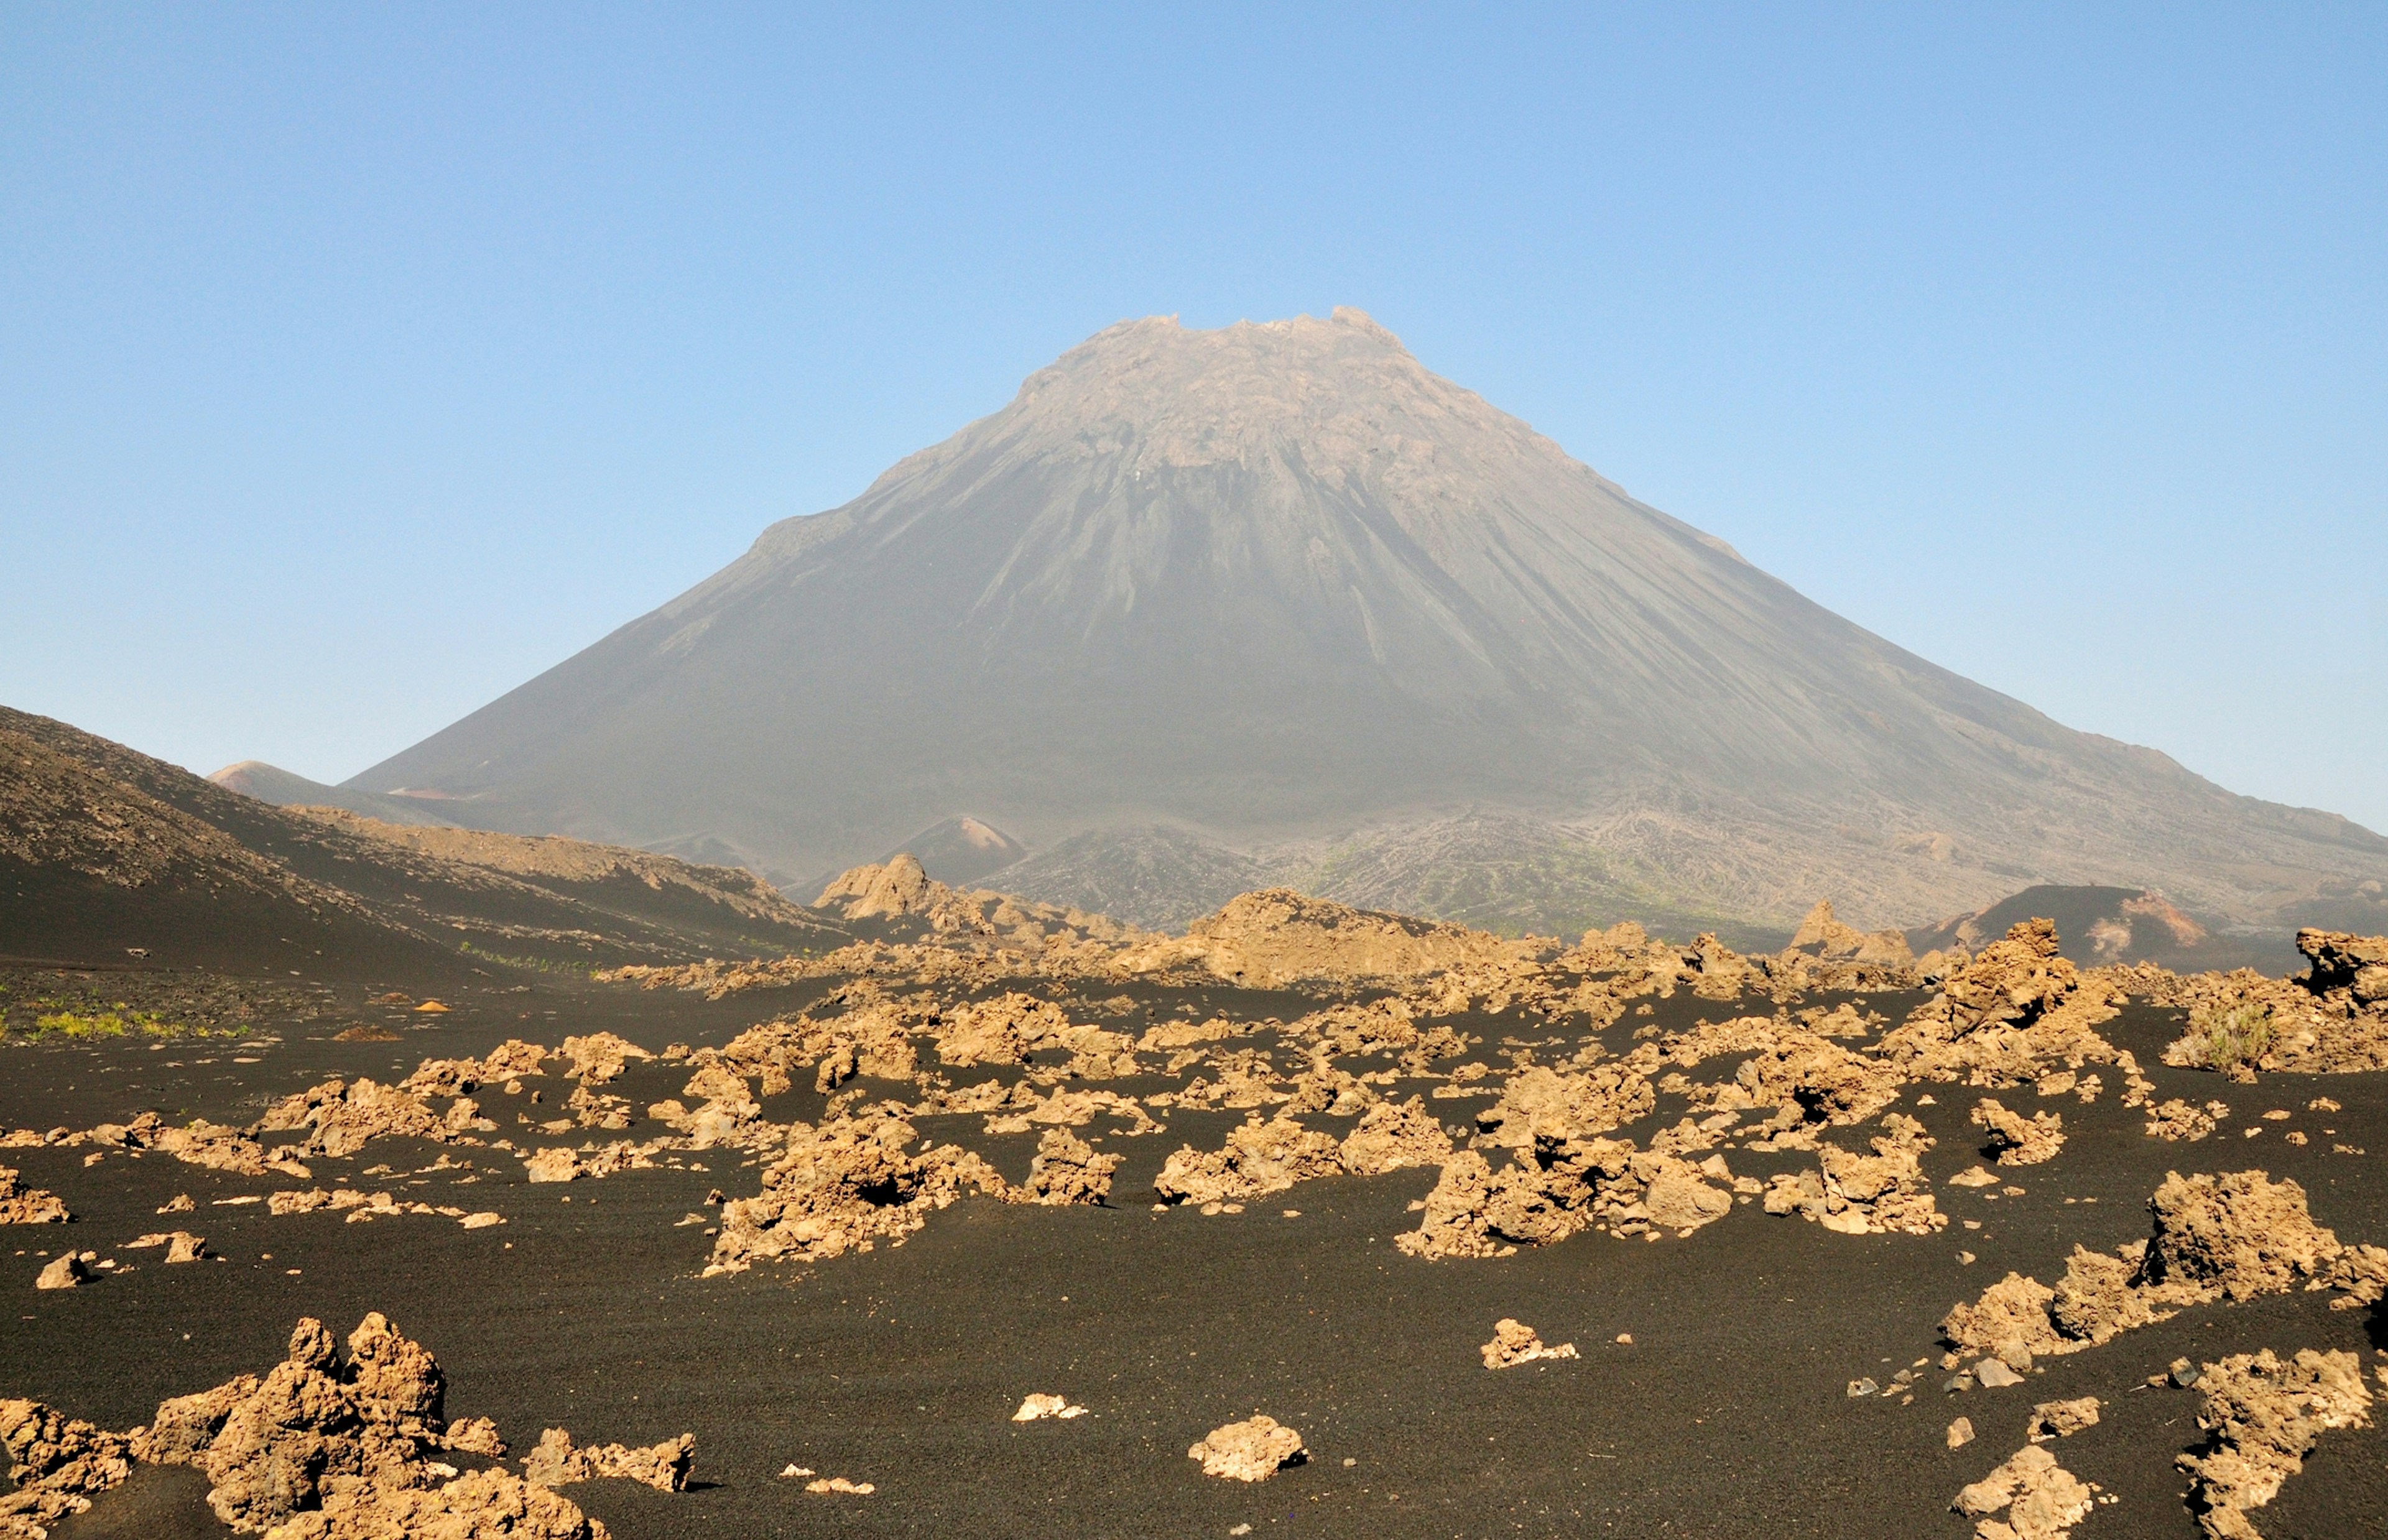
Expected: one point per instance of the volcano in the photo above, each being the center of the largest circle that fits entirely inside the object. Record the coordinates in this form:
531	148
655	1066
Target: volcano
1200	608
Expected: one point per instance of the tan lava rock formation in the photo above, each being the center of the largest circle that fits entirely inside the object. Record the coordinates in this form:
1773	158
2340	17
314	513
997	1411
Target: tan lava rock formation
2261	1417
2332	1021
1515	1342
29	1206
1540	1103
840	1185
478	1505
1391	1136
342	1116
1276	937
557	1462
1066	1170
1560	1187
2017	1140
327	1448
2042	1499
58	1465
1252	1450
2234	1236
2052	1420
1858	1194
1258	1158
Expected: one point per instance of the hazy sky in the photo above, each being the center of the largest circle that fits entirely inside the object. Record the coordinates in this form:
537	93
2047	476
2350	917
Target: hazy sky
359	362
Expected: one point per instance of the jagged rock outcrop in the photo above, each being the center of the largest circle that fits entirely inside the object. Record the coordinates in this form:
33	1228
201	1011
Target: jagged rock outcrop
2261	1416
2333	1019
1258	1158
900	888
1560	1186
892	890
1865	1194
2013	981
57	1463
1540	1103
478	1505
1826	1082
2011	1014
2357	965
2236	1235
1392	1135
2233	1236
601	1056
1003	1030
20	1205
2175	1120
840	1187
1823	938
1067	1171
342	1116
197	1142
2016	1139
2042	1499
334	1445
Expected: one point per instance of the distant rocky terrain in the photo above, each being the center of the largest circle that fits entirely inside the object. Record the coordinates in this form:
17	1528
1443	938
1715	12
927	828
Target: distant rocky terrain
1204	611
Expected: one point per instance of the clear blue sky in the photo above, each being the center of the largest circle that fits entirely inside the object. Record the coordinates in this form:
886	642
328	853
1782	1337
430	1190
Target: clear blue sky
358	362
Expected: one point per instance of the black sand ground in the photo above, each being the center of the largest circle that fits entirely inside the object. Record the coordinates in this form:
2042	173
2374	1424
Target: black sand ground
1726	1416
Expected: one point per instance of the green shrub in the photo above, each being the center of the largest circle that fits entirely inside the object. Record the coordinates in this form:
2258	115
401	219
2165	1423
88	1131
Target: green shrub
67	1024
111	1023
2227	1037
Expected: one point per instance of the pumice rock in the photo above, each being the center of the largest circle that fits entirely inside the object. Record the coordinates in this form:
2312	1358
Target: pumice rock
2052	1420
66	1271
1515	1342
2017	1140
1252	1450
557	1462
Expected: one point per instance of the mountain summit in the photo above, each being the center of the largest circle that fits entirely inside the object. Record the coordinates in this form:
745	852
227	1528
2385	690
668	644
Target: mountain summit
1203	607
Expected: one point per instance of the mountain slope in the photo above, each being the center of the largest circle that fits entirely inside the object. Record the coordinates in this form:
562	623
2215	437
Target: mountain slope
1275	594
104	849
